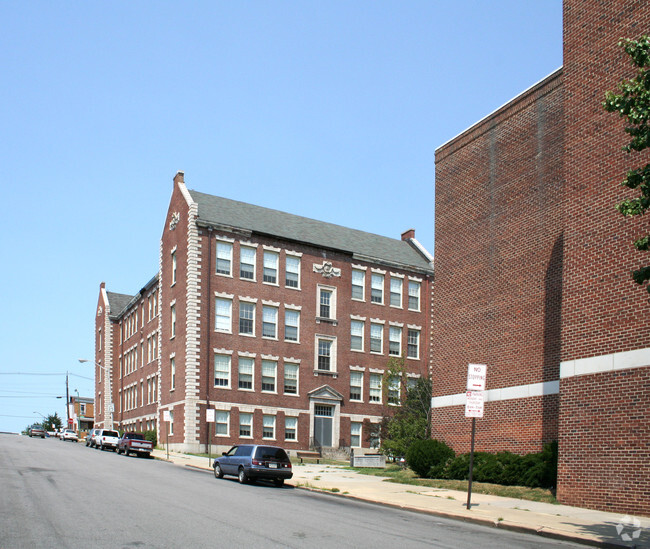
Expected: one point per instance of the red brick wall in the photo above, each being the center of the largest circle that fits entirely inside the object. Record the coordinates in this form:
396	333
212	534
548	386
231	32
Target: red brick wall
604	423
499	260
605	443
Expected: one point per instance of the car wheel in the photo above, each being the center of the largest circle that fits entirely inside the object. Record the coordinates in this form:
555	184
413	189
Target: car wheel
279	482
218	473
126	451
242	476
101	447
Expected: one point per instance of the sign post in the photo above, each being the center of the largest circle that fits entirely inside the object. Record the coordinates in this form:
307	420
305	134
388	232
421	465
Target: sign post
476	375
209	418
167	418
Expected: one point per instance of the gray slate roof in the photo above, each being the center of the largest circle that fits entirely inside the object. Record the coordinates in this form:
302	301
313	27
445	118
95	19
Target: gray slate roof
117	302
361	245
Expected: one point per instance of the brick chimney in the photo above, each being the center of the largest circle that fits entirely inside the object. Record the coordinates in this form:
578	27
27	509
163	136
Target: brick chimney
179	177
408	235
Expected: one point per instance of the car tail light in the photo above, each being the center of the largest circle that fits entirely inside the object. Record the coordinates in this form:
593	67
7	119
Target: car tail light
257	462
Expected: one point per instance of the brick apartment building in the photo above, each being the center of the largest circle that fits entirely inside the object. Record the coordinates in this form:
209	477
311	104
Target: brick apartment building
282	325
532	274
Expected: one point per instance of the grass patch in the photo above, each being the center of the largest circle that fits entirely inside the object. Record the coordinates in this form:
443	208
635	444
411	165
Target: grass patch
406	476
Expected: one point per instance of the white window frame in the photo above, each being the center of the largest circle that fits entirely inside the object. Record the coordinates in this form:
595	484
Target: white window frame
268	421
416	284
358	374
392	330
254	263
293	421
333	353
268	363
270	318
355	322
356	430
375	396
246	359
172	377
228	370
296	312
375	286
174	267
408	344
270	255
332	304
391	293
228	302
291	366
249	416
254	305
220	414
362	273
226	246
173	319
287	271
381	338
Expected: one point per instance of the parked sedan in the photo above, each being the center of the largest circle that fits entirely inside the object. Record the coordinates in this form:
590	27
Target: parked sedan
252	462
90	436
69	434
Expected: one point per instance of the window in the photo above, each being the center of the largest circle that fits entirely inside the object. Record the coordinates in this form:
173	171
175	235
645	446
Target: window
396	292
174	265
172	363
291	379
270	267
247	263
246	318
356	335
414	295
268	427
290	428
377	288
222	423
171	423
355	434
394	390
375	388
413	345
173	316
376	338
224	258
291	324
356	385
221	370
246	372
324	354
82	409
325	310
292	273
358	284
269	371
223	308
270	322
395	341
245	425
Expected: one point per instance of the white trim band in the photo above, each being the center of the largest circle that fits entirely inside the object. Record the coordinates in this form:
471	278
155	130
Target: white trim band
507	393
605	363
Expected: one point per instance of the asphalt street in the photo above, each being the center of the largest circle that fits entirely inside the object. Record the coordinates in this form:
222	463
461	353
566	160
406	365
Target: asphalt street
61	494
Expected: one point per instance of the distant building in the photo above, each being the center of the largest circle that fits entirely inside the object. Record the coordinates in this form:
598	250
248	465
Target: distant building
277	326
532	274
83	414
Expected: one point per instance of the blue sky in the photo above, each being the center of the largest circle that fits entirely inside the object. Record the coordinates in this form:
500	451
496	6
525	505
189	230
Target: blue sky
330	110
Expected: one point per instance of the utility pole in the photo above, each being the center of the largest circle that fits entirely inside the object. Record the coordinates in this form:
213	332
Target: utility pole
67	401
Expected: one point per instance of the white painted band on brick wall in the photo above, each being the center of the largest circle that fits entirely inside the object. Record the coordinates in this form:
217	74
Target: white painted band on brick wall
507	393
605	363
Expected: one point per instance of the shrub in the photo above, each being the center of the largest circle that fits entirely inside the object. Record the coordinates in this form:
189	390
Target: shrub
152	436
422	455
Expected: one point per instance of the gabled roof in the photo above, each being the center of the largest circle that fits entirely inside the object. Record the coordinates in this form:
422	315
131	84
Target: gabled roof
215	210
117	302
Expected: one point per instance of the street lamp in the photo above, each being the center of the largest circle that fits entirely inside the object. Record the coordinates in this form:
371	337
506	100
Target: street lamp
108	392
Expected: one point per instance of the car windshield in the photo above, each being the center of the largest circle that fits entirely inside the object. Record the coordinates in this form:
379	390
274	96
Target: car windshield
110	434
270	452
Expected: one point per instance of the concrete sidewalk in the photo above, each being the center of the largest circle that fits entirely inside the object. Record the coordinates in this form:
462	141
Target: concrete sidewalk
554	521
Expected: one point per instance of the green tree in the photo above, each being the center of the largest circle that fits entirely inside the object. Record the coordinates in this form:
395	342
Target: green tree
52	422
632	102
406	419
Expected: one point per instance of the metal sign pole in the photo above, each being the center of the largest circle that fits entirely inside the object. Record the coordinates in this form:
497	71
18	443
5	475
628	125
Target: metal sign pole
471	465
167	430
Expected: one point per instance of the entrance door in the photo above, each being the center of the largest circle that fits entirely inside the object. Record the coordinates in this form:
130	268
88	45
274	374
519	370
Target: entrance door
323	416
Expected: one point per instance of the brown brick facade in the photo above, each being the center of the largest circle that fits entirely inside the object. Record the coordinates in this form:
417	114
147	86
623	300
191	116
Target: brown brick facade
532	273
